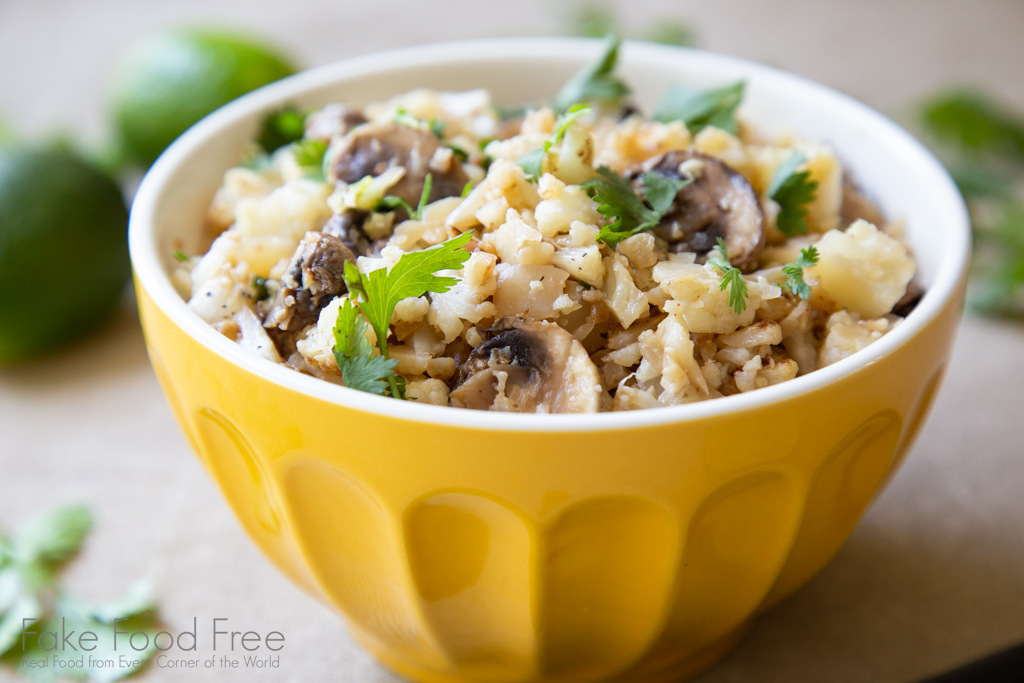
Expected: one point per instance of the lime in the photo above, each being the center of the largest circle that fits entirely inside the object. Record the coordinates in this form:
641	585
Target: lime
173	79
63	249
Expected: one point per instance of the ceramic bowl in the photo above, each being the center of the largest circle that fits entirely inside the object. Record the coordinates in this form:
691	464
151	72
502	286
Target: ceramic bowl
471	546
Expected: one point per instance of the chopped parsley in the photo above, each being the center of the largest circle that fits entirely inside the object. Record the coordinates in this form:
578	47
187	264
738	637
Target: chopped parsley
379	291
731	277
532	162
792	191
309	155
619	203
595	82
701	108
281	128
180	255
794	272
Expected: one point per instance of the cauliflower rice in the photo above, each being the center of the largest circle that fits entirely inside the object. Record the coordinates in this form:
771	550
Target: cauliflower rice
544	317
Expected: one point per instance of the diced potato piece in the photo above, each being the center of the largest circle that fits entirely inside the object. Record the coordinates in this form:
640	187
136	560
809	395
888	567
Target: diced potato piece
863	269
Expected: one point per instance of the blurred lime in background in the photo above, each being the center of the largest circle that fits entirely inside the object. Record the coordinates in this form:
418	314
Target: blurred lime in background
171	80
63	249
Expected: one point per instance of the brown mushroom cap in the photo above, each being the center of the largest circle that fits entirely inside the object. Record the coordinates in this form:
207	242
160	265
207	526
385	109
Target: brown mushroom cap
528	367
333	120
371	149
718	203
314	277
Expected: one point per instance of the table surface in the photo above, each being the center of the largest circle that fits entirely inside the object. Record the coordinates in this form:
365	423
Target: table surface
933	575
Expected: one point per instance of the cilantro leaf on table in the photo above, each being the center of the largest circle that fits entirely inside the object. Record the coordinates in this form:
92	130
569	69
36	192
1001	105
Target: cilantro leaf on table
595	82
281	128
700	108
792	191
731	277
360	368
794	272
532	162
309	156
619	203
379	291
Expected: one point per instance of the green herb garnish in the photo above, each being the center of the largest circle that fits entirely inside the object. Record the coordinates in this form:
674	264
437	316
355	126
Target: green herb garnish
619	203
466	190
309	156
795	272
360	368
379	291
731	277
701	108
259	287
281	128
180	255
792	191
595	82
391	202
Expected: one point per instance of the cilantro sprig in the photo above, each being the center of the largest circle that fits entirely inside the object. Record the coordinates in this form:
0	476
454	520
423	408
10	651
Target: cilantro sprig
280	128
731	277
619	203
595	83
377	293
30	589
532	162
701	108
794	272
792	190
360	368
309	156
391	202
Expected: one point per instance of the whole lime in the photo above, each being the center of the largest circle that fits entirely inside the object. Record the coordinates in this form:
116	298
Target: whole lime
171	80
63	249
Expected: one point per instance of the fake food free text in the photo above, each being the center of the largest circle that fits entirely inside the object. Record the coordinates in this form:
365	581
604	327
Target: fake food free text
221	637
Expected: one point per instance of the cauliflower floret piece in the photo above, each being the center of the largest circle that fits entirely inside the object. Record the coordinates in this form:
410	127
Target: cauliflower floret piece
291	210
516	241
863	269
562	205
467	301
669	353
239	183
431	391
846	333
621	295
639	249
504	179
583	263
633	141
696	296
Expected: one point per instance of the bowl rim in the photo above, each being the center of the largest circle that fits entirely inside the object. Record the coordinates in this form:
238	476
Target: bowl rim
155	280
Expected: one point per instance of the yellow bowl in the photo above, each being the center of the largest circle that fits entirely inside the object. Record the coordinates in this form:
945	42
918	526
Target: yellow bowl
465	546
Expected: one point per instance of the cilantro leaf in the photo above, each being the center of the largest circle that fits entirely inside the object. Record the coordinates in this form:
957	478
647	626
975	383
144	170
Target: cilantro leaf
281	128
391	202
619	203
792	191
701	108
731	277
532	163
379	291
360	368
794	272
309	155
55	535
594	82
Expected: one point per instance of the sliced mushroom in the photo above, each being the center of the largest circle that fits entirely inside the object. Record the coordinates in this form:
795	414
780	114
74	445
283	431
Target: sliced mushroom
372	149
347	226
910	300
718	203
334	120
528	367
314	277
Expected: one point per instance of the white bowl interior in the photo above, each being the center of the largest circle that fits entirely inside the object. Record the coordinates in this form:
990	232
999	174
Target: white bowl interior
893	169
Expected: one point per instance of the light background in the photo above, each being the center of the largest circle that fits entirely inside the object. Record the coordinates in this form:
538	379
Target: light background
934	575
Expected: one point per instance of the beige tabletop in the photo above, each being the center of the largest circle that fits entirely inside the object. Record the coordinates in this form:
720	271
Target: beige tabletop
934	574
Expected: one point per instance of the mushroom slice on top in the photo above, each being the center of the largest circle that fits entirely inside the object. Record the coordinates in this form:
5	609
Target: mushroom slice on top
334	120
718	203
371	149
314	277
528	367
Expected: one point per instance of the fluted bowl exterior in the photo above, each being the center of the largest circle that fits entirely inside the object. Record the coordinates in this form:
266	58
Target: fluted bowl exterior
467	547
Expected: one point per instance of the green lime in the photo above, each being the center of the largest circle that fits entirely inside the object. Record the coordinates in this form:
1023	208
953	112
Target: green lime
173	79
63	249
